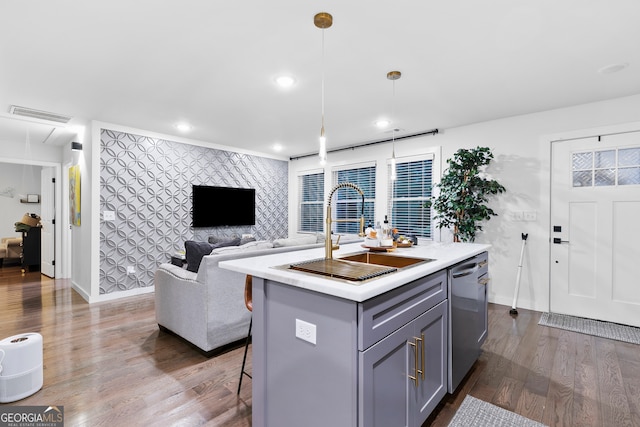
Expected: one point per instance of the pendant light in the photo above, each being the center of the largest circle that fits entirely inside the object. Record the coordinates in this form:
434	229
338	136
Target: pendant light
393	76
323	20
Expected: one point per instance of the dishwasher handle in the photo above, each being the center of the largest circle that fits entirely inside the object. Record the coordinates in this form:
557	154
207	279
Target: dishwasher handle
465	272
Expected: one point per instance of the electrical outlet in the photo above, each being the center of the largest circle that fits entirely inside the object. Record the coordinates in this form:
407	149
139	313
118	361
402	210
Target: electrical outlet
518	216
109	215
131	269
306	331
530	216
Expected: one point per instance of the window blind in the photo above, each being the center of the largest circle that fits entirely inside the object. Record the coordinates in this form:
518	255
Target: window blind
407	196
347	203
310	218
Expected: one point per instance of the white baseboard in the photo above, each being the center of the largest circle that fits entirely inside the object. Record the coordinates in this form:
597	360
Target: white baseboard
111	296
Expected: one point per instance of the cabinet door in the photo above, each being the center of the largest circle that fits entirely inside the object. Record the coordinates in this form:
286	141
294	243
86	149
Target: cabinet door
384	397
389	396
431	328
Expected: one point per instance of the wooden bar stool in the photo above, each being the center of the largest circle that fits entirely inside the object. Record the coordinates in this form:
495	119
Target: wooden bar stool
249	303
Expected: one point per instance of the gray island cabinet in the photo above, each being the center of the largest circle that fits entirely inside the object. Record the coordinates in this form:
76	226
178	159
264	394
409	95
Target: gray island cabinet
329	353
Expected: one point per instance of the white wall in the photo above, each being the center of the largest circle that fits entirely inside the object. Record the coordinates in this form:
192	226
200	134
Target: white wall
521	146
23	179
83	249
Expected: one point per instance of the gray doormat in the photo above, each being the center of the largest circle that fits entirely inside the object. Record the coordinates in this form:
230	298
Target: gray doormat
598	328
477	413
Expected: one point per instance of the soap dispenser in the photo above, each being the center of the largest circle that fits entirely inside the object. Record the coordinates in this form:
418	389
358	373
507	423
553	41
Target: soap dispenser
386	238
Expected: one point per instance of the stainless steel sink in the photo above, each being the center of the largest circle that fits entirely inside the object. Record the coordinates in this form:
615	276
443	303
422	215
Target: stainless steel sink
356	268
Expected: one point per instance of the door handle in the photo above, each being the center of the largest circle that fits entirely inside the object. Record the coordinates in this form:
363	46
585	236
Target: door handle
558	240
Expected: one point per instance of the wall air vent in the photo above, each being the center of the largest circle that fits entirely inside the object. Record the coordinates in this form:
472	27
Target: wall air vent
38	114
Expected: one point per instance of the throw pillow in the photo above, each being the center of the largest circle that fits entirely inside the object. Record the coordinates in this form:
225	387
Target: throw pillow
235	241
214	240
194	251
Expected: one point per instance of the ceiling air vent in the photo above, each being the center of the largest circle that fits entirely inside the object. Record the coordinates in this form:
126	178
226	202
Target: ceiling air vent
38	114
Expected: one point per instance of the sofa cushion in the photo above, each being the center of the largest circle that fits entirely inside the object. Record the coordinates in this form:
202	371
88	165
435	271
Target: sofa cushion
245	240
251	246
295	241
194	251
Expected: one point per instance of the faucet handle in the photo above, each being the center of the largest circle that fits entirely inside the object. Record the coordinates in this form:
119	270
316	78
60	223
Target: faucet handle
336	245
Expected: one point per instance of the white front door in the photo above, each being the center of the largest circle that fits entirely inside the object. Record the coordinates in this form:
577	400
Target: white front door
47	215
595	221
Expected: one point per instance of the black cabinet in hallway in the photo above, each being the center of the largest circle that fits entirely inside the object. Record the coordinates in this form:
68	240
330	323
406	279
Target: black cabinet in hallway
31	249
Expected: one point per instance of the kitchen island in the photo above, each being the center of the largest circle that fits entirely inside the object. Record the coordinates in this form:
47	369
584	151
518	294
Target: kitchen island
331	353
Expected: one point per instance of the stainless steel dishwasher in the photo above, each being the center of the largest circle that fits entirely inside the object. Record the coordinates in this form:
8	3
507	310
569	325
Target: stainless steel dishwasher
467	316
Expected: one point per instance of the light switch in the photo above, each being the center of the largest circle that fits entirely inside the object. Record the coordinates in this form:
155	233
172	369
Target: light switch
109	215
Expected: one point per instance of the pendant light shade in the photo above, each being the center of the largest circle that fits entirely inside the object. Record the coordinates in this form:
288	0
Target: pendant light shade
393	76
322	20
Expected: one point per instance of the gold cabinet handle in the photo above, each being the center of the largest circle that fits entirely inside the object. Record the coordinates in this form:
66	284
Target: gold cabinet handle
423	355
482	263
484	281
415	349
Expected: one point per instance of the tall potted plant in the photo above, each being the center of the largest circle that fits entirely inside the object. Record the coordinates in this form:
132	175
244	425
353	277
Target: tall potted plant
464	192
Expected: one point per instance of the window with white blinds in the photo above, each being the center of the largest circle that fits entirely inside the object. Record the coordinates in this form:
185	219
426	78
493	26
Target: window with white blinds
408	194
347	203
310	218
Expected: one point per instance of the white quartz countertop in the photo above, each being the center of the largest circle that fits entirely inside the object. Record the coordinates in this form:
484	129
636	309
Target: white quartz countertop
443	254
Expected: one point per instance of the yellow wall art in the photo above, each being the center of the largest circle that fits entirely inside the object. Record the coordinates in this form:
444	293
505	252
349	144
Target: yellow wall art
74	195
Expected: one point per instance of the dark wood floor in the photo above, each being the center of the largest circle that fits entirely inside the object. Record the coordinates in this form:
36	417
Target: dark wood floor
108	364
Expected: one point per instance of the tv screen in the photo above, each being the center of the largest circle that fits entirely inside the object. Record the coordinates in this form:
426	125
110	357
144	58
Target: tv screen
216	206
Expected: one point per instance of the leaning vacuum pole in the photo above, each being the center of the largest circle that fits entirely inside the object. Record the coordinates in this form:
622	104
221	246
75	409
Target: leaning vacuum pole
515	296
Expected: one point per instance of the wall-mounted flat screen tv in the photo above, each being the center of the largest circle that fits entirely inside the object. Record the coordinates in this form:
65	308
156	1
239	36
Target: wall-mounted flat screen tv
218	206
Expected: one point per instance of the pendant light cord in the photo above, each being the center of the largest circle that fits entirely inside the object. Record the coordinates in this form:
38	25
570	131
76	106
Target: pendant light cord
393	124
322	69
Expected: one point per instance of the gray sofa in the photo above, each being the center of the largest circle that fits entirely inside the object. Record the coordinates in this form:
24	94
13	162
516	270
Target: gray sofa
207	308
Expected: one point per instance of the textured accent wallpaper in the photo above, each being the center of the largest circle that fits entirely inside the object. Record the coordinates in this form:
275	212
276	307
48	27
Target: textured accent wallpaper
147	183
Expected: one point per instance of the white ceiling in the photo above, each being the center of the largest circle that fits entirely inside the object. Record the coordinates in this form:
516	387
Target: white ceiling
151	63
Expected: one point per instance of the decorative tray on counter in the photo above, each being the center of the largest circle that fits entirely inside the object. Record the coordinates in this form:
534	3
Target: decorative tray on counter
404	245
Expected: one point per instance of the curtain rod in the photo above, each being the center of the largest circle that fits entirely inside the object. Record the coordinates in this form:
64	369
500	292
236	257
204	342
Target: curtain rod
366	144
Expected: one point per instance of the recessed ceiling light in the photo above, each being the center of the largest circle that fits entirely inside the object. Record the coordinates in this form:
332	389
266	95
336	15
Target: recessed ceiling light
613	68
277	147
382	123
285	81
183	127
